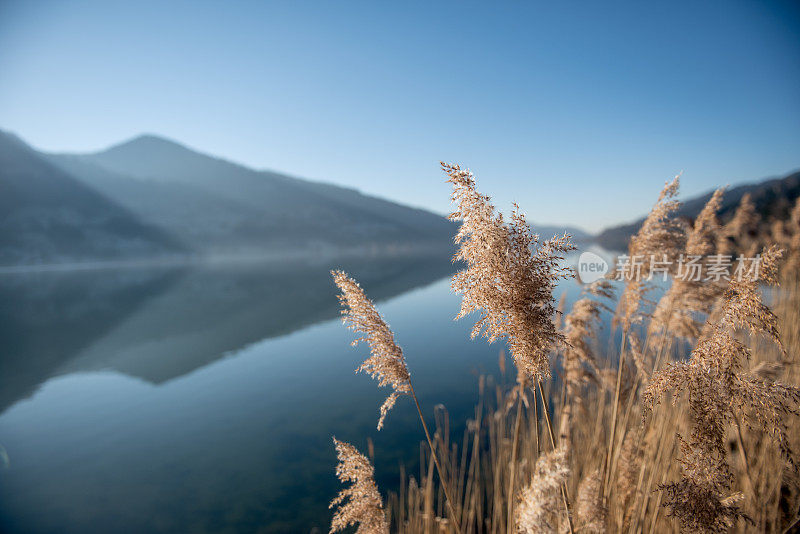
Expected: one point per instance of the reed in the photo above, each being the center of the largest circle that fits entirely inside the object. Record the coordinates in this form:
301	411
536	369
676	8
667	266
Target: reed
361	503
690	424
386	362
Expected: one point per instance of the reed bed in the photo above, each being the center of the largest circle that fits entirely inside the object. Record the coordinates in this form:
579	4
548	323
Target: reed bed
689	424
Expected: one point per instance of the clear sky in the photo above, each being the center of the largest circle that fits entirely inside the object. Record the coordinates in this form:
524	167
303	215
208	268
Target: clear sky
577	110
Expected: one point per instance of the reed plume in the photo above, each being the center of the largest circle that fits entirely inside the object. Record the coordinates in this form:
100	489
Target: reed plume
701	241
630	463
386	362
720	391
590	513
661	236
699	500
793	241
360	503
742	305
736	234
538	509
690	298
509	281
510	275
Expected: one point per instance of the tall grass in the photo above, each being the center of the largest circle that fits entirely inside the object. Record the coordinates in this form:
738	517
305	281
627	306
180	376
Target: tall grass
689	424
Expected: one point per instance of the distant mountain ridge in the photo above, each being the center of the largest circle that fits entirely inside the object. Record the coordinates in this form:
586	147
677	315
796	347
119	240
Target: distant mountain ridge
47	215
216	206
773	199
151	197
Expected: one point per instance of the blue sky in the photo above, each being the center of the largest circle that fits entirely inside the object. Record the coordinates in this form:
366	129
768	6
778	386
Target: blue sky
579	111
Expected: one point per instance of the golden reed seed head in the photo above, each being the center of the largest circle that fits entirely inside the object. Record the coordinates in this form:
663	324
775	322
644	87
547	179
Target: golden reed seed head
602	288
386	362
742	305
579	326
630	461
510	275
792	239
361	503
539	508
719	388
738	232
680	310
700	500
661	235
703	236
590	513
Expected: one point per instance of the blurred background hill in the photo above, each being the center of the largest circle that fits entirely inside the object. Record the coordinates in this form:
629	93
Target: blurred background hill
151	197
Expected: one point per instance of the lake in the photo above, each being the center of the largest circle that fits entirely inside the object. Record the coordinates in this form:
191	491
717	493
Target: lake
204	398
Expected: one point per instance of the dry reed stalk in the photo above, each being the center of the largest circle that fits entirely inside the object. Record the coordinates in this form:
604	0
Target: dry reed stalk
660	236
579	361
718	390
386	362
509	279
628	478
514	445
564	492
742	412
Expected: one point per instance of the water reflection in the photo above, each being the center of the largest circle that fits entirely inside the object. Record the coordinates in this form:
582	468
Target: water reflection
47	319
160	324
204	399
117	418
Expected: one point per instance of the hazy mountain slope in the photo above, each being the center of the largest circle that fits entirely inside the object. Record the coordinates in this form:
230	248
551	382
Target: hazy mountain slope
202	219
221	206
773	200
46	215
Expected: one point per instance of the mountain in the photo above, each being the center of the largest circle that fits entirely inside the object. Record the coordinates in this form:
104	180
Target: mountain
773	199
169	199
49	216
219	207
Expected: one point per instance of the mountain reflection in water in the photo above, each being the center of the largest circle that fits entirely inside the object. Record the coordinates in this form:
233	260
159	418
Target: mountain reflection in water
203	399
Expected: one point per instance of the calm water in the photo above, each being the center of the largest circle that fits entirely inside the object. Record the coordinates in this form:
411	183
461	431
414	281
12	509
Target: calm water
204	399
